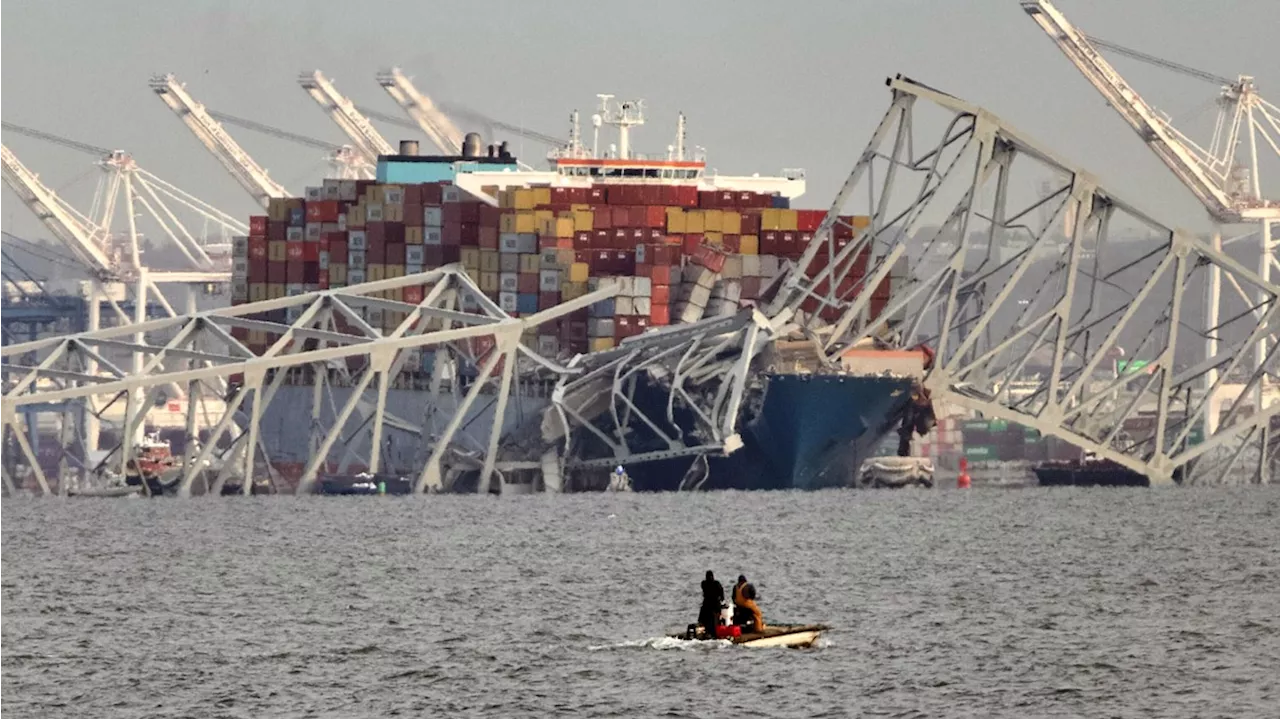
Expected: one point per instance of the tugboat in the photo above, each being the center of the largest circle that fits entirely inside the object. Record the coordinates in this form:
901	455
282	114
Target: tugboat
1090	471
154	467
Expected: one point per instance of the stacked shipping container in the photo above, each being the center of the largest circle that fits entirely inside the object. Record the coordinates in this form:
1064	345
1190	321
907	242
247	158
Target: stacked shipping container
676	253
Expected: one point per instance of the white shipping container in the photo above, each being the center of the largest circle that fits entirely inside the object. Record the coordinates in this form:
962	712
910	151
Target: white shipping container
643	287
432	236
347	190
509	242
509	302
509	263
414	254
508	282
469	302
314	230
699	296
355	275
355	258
240	266
324	259
641	305
373	212
750	265
548	345
626	288
768	265
314	194
623	305
550	260
732	291
393	196
239	246
600	326
293	290
732	267
451	193
432	217
294	234
412	268
357	240
549	281
331	191
239	290
342	222
528	243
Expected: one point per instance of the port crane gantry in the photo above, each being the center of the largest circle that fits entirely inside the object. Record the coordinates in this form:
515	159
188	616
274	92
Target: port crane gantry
251	176
346	162
1225	176
434	124
368	142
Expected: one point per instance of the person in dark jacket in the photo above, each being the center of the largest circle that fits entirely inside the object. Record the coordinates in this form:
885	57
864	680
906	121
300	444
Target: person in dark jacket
712	599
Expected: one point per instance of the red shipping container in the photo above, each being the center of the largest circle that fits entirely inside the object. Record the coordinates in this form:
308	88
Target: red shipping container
431	194
324	280
432	256
257	248
395	253
601	261
560	196
707	199
277	272
412	196
338	249
670	195
643	269
726	199
394	232
621	216
470	234
602	240
808	220
293	272
547	300
624	262
311	251
652	194
376	254
660	294
258	226
293	251
471	212
278	231
258	271
602	219
692	243
451	213
451	234
375	232
732	243
489	216
597	195
582	256
660	274
709	258
661	254
654	216
451	254
750	288
750	223
621	327
322	211
659	315
413	214
488	239
770	243
689	195
843	230
581	240
621	239
412	294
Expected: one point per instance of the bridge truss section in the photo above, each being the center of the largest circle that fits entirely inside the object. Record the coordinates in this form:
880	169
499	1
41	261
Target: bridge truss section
322	336
1047	299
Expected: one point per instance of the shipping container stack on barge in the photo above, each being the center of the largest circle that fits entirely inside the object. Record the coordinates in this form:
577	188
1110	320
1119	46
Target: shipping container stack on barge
684	247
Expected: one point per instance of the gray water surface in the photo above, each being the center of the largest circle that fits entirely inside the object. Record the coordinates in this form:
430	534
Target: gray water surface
1032	603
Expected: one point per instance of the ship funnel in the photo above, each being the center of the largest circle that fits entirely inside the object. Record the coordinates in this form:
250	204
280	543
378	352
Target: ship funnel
409	147
471	145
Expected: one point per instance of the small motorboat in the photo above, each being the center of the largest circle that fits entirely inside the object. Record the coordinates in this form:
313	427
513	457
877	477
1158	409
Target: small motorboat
797	636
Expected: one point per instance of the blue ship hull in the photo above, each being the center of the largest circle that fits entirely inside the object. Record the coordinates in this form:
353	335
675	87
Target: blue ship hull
811	431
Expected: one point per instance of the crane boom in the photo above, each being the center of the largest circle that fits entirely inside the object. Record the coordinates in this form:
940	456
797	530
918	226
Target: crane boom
251	176
467	113
368	141
47	206
1166	142
435	124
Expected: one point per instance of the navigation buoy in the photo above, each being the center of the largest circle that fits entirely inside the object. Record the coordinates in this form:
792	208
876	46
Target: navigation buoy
963	481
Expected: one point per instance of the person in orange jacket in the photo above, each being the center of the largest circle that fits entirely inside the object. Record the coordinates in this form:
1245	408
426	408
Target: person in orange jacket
744	602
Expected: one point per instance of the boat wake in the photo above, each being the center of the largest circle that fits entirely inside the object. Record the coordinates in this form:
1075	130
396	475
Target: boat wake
666	643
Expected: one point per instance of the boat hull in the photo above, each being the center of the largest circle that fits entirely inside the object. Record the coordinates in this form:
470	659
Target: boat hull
795	636
810	431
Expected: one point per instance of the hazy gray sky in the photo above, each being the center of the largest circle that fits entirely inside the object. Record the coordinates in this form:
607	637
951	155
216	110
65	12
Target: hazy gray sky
765	85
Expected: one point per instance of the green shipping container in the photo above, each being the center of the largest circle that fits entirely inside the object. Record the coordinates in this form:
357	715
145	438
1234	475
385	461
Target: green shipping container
998	425
979	452
980	425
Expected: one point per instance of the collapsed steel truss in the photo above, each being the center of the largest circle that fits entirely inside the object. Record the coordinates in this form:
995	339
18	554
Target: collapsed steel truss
1005	287
193	350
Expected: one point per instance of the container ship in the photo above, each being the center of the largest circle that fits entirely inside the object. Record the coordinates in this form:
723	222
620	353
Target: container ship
683	244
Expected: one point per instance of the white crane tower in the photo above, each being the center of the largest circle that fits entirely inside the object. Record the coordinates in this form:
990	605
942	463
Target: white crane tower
435	124
369	143
242	167
1225	176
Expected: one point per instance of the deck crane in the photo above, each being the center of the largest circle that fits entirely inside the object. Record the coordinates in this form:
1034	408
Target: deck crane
249	174
369	143
347	162
435	124
1230	188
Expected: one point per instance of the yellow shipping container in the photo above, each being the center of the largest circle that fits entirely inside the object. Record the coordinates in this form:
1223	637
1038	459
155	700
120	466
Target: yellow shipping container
564	227
507	222
488	281
565	258
578	207
675	221
600	344
749	245
530	263
413	235
393	271
355	217
771	219
544	214
396	294
711	220
526	221
337	273
541	196
714	238
373	273
471	258
390	192
393	213
275	290
258	291
579	272
695	222
277	251
731	222
374	194
523	199
583	221
277	210
788	220
861	222
572	290
489	261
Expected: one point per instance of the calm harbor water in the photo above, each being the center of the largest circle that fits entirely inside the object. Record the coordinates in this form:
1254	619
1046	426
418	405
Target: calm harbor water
1027	603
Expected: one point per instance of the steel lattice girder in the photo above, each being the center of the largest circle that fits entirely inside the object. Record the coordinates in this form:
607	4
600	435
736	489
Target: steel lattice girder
1067	299
189	338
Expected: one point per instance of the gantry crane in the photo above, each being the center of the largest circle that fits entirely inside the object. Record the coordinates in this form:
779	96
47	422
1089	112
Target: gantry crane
435	124
347	162
249	174
473	116
1229	187
369	143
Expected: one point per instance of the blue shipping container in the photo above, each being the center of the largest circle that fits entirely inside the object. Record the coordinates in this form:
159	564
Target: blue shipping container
527	304
603	308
